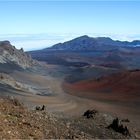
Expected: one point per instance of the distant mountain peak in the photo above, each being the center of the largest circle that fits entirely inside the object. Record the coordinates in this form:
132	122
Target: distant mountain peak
103	38
86	43
84	36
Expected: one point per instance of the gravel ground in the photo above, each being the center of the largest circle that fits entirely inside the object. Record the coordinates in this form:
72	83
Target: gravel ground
17	122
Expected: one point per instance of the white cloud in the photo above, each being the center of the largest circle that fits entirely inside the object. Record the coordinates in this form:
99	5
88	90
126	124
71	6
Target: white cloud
33	44
34	41
43	40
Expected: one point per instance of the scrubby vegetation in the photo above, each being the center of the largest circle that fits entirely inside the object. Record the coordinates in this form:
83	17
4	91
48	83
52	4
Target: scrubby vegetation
17	122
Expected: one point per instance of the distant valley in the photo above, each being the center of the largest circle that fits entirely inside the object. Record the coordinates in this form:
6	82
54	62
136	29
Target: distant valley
72	77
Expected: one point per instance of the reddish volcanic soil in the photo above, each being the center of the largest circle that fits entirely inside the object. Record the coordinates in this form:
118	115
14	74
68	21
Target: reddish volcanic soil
127	82
120	92
122	88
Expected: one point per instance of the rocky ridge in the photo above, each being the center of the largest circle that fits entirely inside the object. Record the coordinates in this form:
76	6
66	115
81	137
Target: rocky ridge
9	54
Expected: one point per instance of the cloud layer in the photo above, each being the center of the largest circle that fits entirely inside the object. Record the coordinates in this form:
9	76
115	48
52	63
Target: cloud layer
40	41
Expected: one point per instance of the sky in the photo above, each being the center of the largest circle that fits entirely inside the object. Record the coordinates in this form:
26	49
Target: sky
38	24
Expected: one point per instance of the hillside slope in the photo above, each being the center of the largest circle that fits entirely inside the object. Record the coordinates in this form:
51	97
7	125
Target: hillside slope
16	122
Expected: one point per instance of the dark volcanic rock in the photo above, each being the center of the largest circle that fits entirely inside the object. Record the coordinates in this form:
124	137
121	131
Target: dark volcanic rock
115	125
90	113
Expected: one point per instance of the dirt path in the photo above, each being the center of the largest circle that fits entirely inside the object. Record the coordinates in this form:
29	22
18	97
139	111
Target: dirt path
59	101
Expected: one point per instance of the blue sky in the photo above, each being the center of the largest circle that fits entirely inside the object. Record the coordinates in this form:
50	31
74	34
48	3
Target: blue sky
39	24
